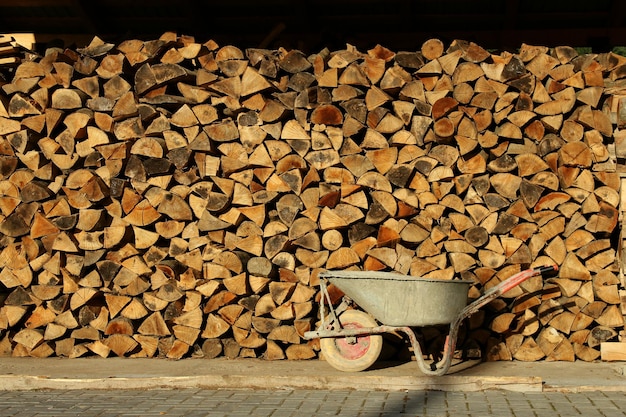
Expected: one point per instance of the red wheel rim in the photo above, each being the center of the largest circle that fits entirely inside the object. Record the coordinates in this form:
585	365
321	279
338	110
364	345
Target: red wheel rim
356	350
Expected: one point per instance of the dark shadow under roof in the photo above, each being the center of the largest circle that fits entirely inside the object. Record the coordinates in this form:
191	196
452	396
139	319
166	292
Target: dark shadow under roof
310	25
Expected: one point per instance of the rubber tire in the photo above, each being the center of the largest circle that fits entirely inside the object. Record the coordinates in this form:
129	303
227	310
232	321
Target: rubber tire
370	346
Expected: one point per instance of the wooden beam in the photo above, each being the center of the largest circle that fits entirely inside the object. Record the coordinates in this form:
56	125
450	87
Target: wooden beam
613	351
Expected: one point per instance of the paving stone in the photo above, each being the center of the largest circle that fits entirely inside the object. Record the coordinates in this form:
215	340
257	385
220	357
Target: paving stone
294	403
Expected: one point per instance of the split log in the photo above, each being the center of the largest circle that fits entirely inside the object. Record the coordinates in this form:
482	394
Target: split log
167	197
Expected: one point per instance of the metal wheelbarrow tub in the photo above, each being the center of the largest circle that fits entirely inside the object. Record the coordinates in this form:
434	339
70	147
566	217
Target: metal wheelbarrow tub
401	300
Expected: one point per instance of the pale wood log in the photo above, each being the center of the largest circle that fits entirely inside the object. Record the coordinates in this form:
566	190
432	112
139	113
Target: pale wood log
248	338
212	348
264	325
178	349
585	353
154	325
120	344
499	352
264	305
273	351
300	352
611	317
564	351
285	334
529	351
215	327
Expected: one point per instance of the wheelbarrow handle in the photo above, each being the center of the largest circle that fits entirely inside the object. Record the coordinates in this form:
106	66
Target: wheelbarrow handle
442	366
505	286
546	268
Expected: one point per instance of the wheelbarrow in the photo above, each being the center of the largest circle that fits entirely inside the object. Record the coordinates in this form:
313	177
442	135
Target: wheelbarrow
351	340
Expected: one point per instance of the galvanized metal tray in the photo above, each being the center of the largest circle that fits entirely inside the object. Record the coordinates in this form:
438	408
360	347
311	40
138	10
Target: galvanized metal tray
402	300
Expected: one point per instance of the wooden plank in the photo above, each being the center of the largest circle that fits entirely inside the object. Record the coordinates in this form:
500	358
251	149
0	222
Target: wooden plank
613	351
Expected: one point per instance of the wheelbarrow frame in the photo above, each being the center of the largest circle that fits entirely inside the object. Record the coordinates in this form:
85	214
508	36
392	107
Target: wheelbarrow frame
330	325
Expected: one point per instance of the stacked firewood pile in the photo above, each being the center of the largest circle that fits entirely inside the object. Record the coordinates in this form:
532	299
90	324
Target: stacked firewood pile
173	198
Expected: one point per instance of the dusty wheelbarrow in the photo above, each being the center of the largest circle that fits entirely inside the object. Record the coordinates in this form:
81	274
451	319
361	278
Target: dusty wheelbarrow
351	339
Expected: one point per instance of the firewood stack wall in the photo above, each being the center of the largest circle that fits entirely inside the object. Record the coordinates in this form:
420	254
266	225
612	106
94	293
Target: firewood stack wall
171	198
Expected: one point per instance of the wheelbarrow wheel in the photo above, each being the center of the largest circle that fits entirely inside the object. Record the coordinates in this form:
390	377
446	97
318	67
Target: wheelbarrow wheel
353	354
